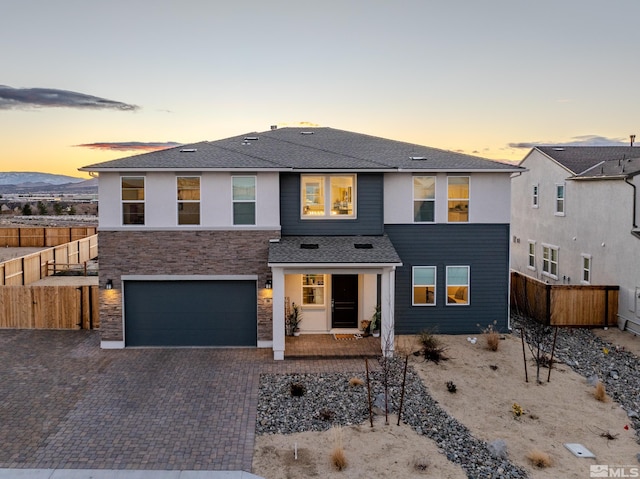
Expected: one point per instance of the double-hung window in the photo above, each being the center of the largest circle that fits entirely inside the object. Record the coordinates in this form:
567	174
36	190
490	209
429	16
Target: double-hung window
424	199
328	196
132	193
424	285
550	261
458	285
586	269
532	255
313	289
535	195
188	193
244	200
560	196
458	199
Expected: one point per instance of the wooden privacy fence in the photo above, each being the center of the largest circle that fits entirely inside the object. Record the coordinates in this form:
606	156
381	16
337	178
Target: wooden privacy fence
28	269
564	305
43	237
49	307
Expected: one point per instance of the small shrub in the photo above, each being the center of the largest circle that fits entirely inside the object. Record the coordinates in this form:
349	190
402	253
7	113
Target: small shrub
431	348
355	381
600	393
539	459
451	387
492	337
327	414
494	367
517	410
297	389
421	464
338	459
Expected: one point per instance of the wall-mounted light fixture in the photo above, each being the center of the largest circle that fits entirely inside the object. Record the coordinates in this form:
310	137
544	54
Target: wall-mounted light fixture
268	284
109	284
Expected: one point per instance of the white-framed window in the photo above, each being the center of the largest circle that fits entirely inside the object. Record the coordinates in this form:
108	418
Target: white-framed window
424	199
132	196
458	199
457	285
560	197
313	289
328	196
532	255
188	195
550	261
586	269
535	195
424	285
244	200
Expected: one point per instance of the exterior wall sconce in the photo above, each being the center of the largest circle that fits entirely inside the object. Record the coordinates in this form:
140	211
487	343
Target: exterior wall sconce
109	284
268	284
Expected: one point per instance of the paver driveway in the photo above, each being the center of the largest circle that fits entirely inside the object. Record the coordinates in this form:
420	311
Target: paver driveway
65	403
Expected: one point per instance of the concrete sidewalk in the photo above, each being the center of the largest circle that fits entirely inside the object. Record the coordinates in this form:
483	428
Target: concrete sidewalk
120	474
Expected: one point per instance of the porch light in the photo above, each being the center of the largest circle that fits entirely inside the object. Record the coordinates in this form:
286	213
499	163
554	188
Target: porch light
109	284
268	284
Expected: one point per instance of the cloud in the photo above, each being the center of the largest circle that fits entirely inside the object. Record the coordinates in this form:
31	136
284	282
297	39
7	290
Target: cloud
21	98
582	140
130	146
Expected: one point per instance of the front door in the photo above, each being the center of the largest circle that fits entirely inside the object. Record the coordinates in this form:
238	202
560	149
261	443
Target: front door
344	301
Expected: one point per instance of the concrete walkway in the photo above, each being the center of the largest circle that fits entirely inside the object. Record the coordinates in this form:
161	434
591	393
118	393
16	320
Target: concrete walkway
121	474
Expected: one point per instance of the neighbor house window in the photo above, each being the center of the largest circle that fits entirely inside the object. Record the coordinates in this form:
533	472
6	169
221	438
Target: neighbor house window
132	192
313	289
532	255
188	192
550	261
457	285
424	199
244	200
560	199
586	269
534	196
328	196
424	285
458	195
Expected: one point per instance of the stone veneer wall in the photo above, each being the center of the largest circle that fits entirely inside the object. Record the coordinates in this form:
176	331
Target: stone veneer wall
181	253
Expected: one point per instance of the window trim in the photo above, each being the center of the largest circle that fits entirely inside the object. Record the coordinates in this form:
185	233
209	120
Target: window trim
254	201
535	195
548	272
560	200
143	201
468	199
199	201
531	255
315	286
583	257
468	285
326	185
435	285
435	186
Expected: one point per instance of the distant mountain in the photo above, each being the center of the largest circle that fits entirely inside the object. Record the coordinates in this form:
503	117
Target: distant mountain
20	177
28	182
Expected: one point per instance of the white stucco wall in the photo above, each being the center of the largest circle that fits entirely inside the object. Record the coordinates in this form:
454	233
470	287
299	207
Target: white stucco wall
489	197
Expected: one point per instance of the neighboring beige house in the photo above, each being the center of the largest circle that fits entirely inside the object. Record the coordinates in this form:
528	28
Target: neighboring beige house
574	220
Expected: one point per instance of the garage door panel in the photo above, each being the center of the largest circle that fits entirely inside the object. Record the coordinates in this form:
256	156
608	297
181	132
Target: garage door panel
190	313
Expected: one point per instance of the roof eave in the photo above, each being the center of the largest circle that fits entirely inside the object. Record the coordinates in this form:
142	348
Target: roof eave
333	265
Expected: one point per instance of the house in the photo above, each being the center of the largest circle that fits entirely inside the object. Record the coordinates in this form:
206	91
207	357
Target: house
212	243
575	220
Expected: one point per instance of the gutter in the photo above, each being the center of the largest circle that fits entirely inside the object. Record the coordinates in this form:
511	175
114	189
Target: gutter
635	197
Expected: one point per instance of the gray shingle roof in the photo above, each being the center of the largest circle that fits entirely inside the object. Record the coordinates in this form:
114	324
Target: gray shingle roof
333	249
612	169
305	149
578	159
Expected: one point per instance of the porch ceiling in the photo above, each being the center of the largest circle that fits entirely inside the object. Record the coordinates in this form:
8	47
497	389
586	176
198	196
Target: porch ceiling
333	250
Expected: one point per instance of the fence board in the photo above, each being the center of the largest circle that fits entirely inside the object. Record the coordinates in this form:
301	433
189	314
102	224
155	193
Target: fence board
10	237
13	273
1	274
31	268
32	237
73	252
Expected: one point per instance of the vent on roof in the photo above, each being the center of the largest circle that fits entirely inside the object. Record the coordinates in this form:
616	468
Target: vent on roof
362	245
251	138
558	148
306	133
308	246
188	150
418	158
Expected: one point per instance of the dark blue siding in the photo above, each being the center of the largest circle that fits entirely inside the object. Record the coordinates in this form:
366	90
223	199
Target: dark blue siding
368	207
482	247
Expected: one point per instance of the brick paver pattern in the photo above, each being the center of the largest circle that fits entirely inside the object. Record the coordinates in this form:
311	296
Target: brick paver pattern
65	403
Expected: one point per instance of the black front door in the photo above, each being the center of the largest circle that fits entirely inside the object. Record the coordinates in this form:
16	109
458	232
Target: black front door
344	301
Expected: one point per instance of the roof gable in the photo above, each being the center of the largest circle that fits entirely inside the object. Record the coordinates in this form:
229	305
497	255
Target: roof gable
578	159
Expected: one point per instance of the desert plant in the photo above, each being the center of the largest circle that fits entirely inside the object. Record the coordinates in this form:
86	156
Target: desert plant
600	393
355	381
451	387
421	464
517	410
327	414
338	457
297	389
491	336
431	348
375	318
539	458
294	319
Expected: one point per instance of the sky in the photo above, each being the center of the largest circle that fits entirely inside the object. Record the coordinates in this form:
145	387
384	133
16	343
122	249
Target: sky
85	81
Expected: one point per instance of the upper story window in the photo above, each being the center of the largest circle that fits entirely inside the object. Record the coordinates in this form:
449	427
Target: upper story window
188	194
550	261
313	289
532	255
328	196
458	196
424	199
457	285
424	285
560	193
586	269
132	192
244	200
535	191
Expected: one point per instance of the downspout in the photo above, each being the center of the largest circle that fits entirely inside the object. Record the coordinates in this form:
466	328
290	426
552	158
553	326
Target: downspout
635	197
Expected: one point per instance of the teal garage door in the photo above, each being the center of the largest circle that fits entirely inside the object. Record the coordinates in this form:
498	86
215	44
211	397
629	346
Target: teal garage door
190	313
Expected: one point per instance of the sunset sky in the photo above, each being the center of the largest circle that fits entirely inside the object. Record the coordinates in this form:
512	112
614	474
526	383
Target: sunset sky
86	81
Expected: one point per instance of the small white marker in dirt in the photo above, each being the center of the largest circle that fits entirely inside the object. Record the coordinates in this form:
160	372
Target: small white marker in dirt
295	451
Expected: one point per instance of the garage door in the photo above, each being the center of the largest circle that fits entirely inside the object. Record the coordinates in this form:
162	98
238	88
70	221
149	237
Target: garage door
190	313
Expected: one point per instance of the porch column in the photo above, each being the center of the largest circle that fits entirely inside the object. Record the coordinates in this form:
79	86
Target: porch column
387	305
277	275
